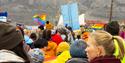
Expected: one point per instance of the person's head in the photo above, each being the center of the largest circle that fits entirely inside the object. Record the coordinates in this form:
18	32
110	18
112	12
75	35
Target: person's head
63	46
101	43
12	39
78	37
77	49
47	22
37	55
46	34
33	36
41	27
40	43
113	28
70	28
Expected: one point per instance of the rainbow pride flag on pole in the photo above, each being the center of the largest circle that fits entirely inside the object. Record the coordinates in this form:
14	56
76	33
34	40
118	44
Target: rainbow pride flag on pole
40	19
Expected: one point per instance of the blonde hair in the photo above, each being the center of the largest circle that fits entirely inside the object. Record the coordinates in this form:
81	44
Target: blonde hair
106	40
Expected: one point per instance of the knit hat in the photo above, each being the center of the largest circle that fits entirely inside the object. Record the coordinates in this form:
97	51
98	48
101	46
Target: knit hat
9	36
36	55
113	28
77	49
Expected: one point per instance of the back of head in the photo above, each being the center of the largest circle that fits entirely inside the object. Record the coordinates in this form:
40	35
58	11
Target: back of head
113	28
40	43
77	49
69	28
46	34
47	22
33	36
78	37
9	36
41	27
12	39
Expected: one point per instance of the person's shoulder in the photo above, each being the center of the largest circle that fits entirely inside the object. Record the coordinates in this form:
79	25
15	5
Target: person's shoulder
77	60
9	56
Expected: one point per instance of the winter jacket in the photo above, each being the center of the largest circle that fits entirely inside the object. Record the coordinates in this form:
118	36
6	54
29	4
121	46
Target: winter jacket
62	58
9	56
105	59
57	39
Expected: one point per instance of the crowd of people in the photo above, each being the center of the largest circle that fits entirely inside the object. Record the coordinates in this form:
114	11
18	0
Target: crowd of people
60	44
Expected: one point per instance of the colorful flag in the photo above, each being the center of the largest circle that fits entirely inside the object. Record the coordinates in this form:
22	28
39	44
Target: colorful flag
39	19
43	17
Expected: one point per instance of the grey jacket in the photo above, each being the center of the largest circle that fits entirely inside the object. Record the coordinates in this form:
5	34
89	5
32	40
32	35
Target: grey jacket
9	56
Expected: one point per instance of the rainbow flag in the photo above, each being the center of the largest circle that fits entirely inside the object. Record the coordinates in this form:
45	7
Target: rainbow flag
40	19
43	17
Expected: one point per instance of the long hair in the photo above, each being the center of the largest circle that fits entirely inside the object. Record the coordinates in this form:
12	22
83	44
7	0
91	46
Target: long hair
104	39
108	42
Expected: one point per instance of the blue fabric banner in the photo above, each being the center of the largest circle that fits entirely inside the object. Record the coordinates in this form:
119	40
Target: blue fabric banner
70	15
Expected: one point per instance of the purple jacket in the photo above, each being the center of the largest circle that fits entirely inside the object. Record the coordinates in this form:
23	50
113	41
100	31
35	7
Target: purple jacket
122	34
105	59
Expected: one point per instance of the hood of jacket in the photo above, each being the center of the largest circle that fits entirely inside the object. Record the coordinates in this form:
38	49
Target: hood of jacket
9	56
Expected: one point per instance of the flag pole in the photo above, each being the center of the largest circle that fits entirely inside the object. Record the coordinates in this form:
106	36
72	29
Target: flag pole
111	11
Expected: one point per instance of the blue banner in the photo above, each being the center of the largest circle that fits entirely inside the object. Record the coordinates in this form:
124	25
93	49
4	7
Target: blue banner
65	14
74	16
70	15
4	14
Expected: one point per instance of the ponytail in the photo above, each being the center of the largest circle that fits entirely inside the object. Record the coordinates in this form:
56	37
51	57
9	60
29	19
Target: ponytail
119	48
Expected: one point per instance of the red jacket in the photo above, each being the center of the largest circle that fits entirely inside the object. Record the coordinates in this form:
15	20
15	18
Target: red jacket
57	39
105	59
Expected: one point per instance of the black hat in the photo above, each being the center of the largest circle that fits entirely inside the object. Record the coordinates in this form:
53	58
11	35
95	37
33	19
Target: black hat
112	28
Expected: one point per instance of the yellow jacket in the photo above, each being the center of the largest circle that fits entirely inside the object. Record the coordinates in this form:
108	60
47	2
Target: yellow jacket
117	50
62	58
49	26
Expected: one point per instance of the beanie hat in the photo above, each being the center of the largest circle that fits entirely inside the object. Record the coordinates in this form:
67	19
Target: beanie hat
36	55
77	49
9	36
113	28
